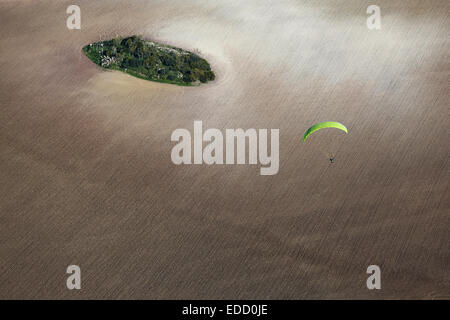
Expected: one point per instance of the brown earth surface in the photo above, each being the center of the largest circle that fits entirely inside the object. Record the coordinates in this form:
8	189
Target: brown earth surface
86	176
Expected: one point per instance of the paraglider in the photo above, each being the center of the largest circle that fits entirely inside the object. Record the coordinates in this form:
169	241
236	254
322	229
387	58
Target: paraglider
322	125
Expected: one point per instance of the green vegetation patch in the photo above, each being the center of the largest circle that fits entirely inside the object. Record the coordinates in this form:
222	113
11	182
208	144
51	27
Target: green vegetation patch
150	60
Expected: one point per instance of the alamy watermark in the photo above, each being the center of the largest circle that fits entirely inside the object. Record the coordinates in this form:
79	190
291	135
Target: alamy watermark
236	147
374	20
374	281
74	280
74	20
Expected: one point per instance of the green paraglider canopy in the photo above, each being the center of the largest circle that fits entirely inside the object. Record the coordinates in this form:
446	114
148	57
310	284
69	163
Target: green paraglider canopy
322	125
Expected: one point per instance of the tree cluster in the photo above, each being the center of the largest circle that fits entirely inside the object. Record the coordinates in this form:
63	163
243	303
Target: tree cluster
150	60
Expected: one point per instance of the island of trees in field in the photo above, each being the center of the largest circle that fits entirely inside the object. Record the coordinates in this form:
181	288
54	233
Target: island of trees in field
150	60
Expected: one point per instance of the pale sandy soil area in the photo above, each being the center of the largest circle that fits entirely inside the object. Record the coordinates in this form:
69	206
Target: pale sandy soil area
86	176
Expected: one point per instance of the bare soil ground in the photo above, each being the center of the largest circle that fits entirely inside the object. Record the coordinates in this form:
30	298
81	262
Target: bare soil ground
86	176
